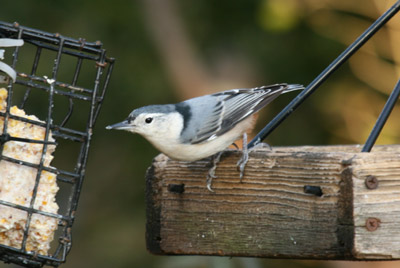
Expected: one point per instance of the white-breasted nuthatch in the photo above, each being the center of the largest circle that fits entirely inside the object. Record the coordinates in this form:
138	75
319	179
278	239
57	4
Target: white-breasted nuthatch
203	126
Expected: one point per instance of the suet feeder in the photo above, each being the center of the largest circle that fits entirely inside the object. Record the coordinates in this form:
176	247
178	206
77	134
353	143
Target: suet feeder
51	91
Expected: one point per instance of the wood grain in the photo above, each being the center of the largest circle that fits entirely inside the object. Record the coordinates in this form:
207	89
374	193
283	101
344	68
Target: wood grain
269	214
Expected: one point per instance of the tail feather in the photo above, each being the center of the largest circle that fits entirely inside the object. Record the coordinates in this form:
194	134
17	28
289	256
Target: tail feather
293	87
278	90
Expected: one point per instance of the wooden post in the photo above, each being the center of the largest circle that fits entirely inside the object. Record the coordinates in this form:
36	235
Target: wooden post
328	202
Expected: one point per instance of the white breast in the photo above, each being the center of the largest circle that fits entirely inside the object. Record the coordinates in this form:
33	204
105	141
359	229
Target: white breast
193	152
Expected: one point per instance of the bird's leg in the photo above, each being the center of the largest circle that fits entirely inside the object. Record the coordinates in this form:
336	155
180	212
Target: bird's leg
211	172
241	164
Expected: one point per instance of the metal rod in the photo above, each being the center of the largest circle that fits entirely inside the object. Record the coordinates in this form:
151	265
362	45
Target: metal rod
83	155
30	33
343	57
58	131
57	92
34	210
33	72
59	84
11	138
45	147
71	102
105	86
62	175
387	109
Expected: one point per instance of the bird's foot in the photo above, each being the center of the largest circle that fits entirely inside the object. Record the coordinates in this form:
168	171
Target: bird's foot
241	164
260	145
211	172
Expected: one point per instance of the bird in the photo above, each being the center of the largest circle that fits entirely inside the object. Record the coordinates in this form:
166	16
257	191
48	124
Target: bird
203	126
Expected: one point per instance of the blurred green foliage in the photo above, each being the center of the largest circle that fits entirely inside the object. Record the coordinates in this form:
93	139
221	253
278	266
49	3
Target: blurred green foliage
241	43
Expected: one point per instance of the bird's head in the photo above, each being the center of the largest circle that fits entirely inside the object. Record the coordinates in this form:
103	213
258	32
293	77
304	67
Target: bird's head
152	122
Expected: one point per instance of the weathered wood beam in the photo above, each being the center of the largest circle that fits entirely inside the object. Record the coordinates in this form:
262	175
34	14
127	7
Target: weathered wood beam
314	202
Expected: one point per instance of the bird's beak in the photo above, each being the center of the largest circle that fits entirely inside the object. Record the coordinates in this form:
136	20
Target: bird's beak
124	125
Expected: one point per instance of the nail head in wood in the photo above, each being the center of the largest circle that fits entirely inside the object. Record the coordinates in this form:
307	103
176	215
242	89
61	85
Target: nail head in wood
372	224
371	182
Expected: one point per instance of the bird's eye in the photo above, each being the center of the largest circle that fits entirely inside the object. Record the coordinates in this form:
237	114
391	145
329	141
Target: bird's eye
148	120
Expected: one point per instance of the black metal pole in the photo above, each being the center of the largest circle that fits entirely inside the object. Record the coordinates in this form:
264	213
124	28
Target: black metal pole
387	109
343	57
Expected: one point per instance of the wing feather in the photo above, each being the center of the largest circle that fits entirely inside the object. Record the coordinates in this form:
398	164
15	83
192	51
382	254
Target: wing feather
229	108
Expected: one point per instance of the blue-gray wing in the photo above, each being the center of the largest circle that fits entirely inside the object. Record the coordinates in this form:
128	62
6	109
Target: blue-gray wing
213	115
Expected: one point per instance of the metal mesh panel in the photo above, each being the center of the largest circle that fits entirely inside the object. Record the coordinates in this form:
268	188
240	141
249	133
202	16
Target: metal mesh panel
49	85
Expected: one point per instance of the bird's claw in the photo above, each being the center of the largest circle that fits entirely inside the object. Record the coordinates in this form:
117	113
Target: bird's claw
261	145
211	172
209	185
210	177
241	164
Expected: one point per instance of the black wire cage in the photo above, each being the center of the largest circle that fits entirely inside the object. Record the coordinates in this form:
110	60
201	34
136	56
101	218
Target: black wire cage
63	82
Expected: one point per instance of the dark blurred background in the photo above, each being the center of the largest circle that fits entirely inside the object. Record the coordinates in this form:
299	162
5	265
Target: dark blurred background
170	50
